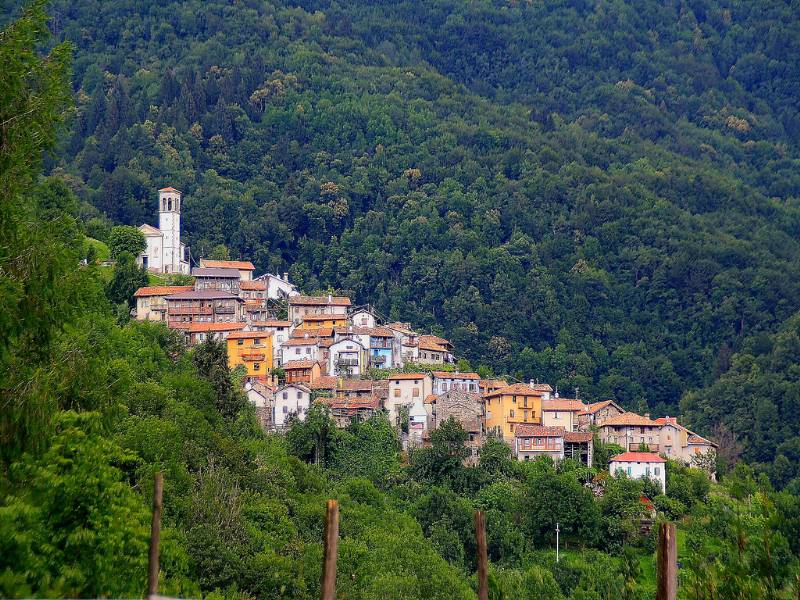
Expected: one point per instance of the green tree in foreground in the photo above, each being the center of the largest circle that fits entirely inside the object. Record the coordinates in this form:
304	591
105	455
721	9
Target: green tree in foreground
125	238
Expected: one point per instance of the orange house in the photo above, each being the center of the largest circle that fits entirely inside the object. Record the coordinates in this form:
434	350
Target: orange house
302	371
322	322
514	405
253	349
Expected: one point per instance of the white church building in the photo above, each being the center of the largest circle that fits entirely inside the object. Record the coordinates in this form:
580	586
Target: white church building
164	252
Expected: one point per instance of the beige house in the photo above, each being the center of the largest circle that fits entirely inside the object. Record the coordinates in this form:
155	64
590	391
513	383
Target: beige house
679	443
631	431
300	306
151	303
406	389
561	412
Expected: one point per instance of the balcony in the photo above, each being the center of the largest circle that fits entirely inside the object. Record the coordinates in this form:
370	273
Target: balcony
158	307
253	356
384	345
223	309
378	360
190	310
634	446
347	362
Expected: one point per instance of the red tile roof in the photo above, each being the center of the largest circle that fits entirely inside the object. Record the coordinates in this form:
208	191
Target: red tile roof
240	265
637	457
350	403
247	335
161	290
203	327
594	407
320	300
629	419
299	364
515	389
538	431
257	286
578	436
169	189
311	340
455	375
697	439
406	376
271	323
564	404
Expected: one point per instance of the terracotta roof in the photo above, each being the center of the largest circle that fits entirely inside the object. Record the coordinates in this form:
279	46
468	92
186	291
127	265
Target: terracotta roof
239	265
203	327
204	295
169	189
255	286
698	439
246	335
161	290
215	272
370	331
578	436
435	339
404	328
541	387
311	340
564	404
320	300
455	375
430	398
517	388
629	419
407	376
493	383
271	323
637	457
315	332
325	382
539	431
425	343
299	364
594	407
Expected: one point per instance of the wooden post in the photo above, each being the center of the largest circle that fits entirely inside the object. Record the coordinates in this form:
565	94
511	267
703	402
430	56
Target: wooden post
483	560
667	563
330	551
155	535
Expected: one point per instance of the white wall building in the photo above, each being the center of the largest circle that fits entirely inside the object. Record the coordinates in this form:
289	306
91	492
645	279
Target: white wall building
638	465
445	381
293	399
407	389
278	287
346	357
164	252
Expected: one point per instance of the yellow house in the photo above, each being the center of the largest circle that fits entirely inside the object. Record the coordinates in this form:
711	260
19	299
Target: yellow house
322	321
511	406
253	349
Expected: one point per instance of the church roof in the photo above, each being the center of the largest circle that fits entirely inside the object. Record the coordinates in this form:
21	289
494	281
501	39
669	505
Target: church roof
149	230
169	189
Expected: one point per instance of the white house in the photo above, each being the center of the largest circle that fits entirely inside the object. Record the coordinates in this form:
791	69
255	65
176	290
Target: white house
346	357
164	252
362	317
278	287
293	399
417	423
638	465
444	381
262	398
407	389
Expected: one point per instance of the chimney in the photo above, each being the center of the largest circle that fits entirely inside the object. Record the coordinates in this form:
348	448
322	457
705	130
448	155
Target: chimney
286	277
646	415
330	298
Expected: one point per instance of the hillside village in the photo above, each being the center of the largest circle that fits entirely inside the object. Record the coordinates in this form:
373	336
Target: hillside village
296	350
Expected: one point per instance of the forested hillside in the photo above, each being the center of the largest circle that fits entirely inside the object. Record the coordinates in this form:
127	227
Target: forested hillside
602	195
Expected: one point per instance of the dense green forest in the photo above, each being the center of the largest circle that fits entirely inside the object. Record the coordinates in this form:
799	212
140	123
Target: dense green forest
92	404
603	195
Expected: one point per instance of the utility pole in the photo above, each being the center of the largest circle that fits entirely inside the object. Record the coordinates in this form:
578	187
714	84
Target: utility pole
557	540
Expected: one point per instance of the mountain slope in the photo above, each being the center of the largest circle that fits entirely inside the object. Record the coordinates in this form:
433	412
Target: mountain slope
603	215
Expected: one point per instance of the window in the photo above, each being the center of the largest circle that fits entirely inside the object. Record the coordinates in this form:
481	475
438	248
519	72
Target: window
299	395
256	366
514	399
557	417
297	350
285	409
415	393
647	471
511	413
397	393
630	471
657	471
240	342
285	395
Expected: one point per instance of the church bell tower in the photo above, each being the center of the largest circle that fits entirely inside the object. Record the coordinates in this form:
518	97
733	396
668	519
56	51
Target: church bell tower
169	222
